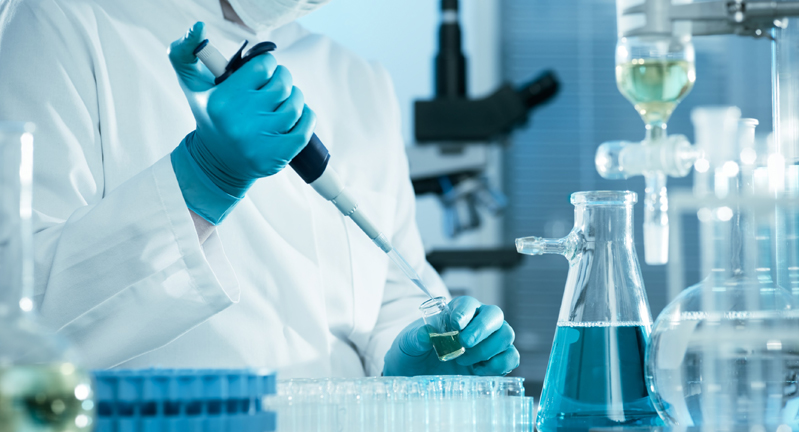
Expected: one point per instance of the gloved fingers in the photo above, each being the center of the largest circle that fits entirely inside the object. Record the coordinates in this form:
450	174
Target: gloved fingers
486	321
306	126
276	91
290	145
301	133
265	101
181	51
414	341
288	113
191	73
494	344
463	310
252	76
501	364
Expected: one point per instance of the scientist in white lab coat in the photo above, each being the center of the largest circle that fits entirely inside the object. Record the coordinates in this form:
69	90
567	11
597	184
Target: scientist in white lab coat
155	244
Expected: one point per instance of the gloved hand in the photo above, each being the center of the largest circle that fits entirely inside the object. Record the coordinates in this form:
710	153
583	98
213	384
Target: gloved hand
249	126
488	340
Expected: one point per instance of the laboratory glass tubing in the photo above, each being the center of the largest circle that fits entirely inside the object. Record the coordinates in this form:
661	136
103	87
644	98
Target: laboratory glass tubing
736	329
16	172
785	102
418	404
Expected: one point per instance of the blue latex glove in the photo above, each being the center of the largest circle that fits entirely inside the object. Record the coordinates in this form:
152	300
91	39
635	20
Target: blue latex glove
249	126
488	340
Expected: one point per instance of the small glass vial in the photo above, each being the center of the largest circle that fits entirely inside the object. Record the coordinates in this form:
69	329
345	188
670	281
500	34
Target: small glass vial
444	337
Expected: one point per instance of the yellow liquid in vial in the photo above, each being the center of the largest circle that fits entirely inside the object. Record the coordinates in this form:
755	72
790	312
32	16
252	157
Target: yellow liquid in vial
45	398
447	345
655	87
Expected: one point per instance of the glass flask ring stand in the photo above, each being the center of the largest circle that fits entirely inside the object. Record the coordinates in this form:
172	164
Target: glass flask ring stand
595	376
41	387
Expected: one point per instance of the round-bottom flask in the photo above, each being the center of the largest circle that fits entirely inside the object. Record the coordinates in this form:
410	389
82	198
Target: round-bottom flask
726	368
42	389
724	355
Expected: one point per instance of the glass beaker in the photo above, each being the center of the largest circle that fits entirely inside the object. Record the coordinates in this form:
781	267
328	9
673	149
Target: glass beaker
41	388
443	335
595	376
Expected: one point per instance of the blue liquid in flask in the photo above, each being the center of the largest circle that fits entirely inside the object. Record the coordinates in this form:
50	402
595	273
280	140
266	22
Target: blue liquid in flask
595	378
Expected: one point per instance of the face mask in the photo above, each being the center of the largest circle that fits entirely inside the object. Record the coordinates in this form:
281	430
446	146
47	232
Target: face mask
262	15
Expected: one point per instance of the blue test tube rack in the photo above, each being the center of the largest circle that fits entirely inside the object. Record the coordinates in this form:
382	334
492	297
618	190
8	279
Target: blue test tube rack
183	400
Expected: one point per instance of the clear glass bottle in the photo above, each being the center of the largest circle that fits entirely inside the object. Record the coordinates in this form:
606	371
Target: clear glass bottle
724	353
595	376
41	387
443	335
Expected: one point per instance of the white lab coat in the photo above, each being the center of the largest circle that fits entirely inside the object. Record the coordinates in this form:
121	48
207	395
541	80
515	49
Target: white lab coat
285	282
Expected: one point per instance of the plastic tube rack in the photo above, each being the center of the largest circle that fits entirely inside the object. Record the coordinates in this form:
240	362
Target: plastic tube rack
419	404
184	400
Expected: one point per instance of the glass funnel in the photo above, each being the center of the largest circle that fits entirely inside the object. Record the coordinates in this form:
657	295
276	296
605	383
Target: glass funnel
655	73
41	388
595	376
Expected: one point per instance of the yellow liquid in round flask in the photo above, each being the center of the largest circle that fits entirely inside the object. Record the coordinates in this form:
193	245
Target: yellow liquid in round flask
42	388
45	398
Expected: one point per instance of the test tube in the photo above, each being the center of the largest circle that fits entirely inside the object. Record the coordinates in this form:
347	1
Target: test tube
416	408
420	404
433	395
528	414
347	395
443	335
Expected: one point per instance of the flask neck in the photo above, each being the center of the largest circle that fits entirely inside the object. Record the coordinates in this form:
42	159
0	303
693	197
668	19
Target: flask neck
737	244
16	266
604	285
600	223
16	239
597	218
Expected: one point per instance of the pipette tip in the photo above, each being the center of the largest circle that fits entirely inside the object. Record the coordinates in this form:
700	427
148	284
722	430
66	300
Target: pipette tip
408	270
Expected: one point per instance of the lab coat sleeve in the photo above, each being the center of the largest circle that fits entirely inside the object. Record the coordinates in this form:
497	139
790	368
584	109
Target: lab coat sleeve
119	272
401	298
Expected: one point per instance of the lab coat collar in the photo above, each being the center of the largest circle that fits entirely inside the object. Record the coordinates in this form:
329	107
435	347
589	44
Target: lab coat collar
213	6
282	37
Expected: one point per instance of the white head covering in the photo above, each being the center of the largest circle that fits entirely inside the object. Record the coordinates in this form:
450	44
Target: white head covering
264	15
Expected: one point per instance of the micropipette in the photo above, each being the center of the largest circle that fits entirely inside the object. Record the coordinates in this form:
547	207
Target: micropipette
312	162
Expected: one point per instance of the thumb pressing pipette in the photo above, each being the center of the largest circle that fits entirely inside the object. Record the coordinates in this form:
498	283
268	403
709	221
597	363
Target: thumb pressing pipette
312	162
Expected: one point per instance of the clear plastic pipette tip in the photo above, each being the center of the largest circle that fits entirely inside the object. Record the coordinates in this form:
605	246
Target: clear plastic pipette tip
408	270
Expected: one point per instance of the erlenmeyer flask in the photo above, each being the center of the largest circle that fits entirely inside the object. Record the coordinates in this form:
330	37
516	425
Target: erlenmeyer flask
41	387
595	376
